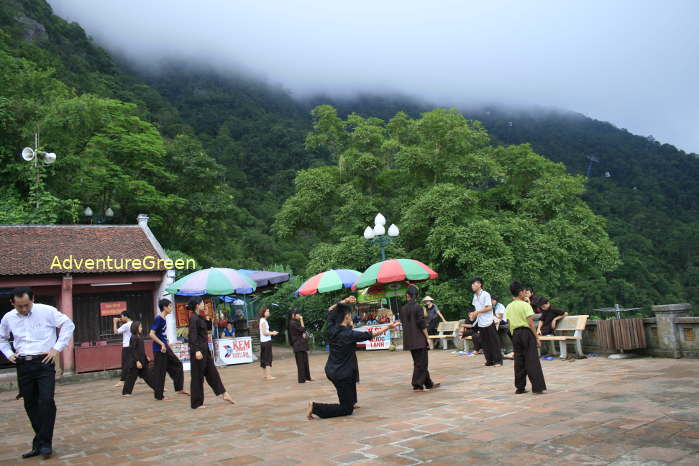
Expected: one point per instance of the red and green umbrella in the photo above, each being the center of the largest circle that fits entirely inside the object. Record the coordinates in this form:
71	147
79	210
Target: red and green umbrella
213	281
382	291
395	270
325	282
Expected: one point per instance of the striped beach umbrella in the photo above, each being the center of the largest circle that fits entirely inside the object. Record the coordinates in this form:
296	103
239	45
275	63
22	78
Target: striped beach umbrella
395	270
213	281
325	282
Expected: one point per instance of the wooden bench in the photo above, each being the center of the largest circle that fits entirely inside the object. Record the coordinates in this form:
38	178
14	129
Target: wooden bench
446	331
568	329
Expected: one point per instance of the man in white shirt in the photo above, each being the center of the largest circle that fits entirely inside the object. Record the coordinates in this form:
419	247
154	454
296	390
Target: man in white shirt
36	351
124	329
483	315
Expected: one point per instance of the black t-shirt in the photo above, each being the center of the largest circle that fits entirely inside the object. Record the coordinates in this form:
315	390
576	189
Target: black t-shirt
342	361
547	317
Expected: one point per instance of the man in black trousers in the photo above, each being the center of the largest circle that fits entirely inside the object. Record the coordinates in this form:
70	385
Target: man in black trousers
36	351
202	361
341	367
524	342
122	326
415	340
165	359
484	318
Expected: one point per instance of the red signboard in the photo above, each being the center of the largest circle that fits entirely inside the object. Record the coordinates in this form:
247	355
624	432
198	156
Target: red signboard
182	314
114	308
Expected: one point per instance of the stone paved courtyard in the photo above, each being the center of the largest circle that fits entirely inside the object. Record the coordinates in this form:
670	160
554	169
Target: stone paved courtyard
597	411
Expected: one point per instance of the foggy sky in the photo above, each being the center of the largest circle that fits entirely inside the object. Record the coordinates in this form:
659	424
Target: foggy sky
634	63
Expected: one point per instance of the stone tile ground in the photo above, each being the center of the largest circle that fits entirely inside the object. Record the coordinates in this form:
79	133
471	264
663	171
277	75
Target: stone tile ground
640	411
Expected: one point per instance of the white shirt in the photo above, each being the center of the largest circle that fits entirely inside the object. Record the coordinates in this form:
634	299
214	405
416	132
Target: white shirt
35	333
500	312
264	328
125	332
480	301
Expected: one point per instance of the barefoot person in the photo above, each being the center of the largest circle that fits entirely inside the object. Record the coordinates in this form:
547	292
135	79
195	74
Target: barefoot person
165	359
415	340
524	342
266	344
202	361
33	327
332	321
483	315
137	363
298	338
341	366
122	326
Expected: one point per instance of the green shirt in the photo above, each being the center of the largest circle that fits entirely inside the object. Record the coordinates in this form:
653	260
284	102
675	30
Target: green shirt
517	312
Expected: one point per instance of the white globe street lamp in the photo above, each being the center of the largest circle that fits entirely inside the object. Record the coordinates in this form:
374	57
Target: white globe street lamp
377	234
379	230
393	231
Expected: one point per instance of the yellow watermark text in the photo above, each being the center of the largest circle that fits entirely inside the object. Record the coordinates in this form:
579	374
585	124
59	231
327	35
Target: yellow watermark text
71	263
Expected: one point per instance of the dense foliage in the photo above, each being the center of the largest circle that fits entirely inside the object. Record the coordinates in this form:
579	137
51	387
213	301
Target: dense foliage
465	206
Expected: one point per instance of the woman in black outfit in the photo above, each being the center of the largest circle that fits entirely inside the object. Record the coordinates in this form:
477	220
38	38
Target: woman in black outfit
202	361
341	367
299	342
137	361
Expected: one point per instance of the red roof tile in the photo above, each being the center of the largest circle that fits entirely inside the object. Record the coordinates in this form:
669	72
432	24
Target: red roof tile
31	250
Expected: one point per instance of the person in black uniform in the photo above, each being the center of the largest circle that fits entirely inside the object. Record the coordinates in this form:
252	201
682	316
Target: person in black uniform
137	361
332	321
165	360
299	343
341	367
415	340
202	361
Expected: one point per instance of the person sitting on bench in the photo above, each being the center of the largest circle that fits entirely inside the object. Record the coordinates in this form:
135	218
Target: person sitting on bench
470	329
501	323
549	317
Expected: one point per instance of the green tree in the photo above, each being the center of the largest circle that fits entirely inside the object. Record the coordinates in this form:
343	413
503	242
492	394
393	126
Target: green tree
465	206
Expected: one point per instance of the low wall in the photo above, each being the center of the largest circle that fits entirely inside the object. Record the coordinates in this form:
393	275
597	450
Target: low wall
672	333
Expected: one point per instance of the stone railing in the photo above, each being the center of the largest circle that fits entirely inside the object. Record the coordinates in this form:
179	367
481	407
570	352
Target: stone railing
672	333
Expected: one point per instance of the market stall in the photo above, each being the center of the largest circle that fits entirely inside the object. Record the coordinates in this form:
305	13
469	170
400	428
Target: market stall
229	310
214	283
379	288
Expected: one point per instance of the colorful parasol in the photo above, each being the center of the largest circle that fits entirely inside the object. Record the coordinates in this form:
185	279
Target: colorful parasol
395	270
382	291
325	282
213	281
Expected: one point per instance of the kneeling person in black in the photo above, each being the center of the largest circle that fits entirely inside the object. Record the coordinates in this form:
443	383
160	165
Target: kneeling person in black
341	366
137	361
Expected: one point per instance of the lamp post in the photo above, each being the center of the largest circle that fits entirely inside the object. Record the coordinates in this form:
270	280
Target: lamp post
377	234
33	155
108	214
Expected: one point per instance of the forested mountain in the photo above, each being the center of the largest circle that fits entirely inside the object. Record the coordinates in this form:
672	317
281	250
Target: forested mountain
213	158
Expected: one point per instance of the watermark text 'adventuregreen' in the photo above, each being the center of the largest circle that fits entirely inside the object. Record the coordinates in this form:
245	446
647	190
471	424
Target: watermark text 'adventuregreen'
71	264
